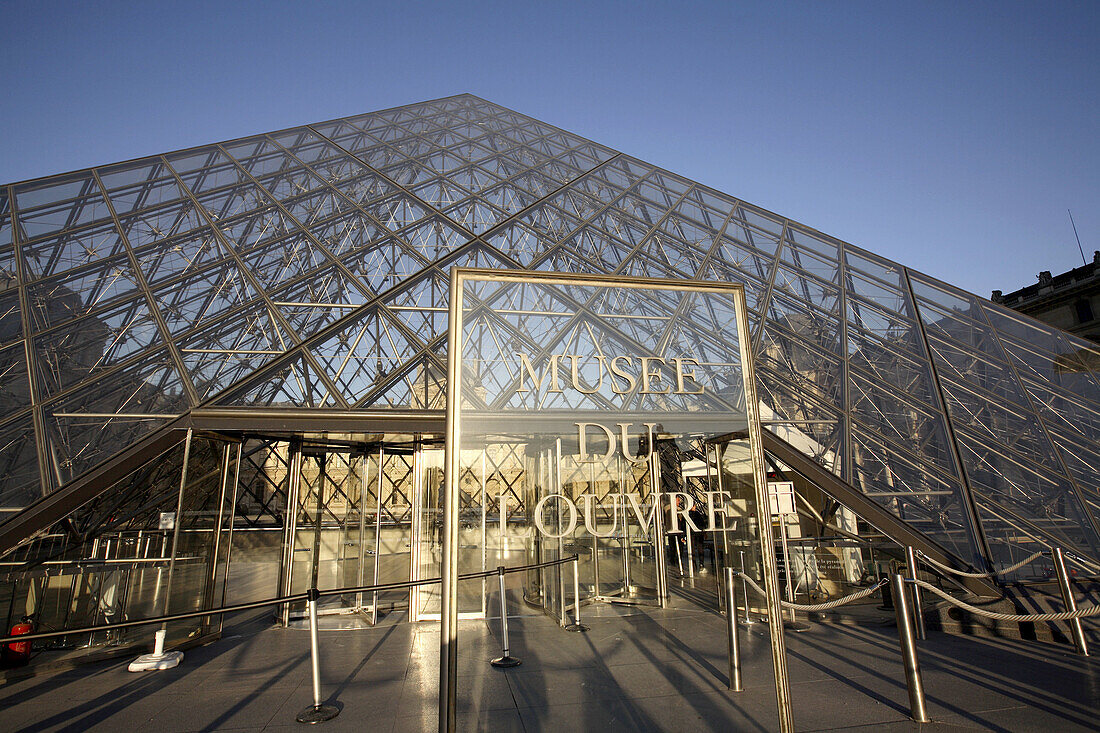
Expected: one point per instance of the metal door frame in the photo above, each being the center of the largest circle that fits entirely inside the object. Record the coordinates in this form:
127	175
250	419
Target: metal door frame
448	645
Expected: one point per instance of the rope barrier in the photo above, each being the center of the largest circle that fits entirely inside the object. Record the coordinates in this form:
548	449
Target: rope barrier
816	606
1063	616
1002	571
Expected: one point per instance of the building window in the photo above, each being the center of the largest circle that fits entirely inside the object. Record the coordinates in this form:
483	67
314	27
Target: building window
1084	311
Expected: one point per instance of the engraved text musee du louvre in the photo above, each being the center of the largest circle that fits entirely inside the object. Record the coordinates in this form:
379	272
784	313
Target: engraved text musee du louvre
625	374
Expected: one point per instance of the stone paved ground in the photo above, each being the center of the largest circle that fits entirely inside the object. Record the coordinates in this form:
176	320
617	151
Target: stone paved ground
633	671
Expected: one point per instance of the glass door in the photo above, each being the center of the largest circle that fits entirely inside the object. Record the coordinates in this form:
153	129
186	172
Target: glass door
427	546
359	530
349	524
329	529
392	487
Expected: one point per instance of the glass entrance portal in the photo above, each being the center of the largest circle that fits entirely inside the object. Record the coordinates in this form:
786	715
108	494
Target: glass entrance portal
597	403
607	421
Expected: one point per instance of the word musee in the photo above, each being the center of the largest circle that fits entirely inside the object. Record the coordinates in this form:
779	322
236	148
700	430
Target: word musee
625	374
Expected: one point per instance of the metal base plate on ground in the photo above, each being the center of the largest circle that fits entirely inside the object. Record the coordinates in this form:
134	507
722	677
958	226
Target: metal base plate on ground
577	628
318	714
151	662
796	626
508	661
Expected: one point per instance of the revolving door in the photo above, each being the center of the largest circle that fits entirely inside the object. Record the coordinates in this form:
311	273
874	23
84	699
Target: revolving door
331	531
368	513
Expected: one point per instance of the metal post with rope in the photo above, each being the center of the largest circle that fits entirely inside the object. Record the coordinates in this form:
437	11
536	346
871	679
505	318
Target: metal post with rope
1058	558
918	614
914	680
733	638
318	712
505	659
576	626
1077	633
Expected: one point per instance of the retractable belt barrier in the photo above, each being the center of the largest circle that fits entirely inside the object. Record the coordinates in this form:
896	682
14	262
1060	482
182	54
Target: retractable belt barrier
273	602
319	712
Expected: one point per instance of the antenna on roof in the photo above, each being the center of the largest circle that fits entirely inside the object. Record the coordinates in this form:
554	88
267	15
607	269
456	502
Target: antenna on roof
1079	248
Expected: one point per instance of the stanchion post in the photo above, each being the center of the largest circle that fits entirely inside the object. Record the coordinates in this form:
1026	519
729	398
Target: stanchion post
718	589
918	615
913	679
576	626
745	593
732	637
318	712
505	659
1076	631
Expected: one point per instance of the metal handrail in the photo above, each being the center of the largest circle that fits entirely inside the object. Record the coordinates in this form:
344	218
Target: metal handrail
275	602
91	562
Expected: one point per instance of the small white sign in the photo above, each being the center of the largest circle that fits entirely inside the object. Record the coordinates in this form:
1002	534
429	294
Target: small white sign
781	498
167	520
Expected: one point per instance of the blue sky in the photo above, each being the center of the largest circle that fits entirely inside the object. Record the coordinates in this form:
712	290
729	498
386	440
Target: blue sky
951	136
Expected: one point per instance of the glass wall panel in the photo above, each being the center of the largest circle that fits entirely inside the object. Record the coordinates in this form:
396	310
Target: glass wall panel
155	543
615	416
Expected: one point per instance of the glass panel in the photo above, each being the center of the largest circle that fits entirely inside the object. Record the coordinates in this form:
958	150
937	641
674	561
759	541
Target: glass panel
15	393
141	185
71	249
605	420
19	481
291	384
205	169
93	423
312	303
201	297
81	349
365	353
61	202
220	354
111	559
153	225
55	301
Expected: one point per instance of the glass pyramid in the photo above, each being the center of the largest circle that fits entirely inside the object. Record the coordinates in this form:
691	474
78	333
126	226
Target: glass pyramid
308	268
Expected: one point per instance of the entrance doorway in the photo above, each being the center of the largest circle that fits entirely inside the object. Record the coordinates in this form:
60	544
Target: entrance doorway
331	535
369	513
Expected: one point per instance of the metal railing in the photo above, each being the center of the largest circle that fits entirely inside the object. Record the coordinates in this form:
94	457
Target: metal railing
318	711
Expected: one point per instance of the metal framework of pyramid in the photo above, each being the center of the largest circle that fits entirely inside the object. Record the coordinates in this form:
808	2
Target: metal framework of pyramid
308	268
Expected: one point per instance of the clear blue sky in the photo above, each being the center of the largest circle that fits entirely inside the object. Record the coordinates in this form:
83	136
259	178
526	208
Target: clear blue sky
950	136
